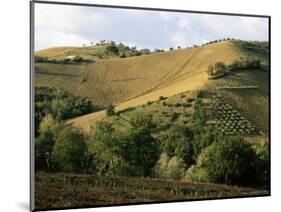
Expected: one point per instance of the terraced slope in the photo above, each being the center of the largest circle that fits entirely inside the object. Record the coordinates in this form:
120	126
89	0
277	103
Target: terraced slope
189	75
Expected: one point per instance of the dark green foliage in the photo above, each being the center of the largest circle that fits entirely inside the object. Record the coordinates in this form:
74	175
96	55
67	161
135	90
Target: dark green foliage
186	105
177	104
189	100
123	55
174	116
69	153
142	149
199	117
49	128
149	103
38	59
110	110
263	165
178	142
203	140
162	98
112	49
219	68
231	160
62	105
43	148
75	60
131	153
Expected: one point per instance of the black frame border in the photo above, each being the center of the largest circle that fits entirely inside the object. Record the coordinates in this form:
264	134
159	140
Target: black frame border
31	90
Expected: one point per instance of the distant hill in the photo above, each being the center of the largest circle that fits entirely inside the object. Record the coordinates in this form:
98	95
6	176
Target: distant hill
135	80
93	52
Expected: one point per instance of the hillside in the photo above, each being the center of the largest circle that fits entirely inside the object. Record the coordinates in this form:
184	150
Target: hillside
117	80
133	81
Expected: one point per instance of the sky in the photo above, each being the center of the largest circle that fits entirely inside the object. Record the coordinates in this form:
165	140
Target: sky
64	25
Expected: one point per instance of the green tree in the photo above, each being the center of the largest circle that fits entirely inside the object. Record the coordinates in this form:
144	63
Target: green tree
203	140
132	153
44	144
70	151
219	68
110	110
210	70
112	49
178	142
43	148
230	160
169	168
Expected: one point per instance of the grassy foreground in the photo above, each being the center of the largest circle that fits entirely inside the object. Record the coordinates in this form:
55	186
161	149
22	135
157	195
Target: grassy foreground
81	190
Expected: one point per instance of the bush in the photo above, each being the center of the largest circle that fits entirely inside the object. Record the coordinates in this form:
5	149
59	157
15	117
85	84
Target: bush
110	110
49	128
174	116
62	105
231	160
123	55
112	49
196	174
169	168
39	59
162	98
78	59
217	70
178	142
69	151
149	103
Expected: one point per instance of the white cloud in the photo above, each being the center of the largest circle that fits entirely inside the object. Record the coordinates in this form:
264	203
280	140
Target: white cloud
183	23
60	25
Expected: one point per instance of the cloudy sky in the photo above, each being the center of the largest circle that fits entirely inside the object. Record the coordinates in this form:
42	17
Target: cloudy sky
62	25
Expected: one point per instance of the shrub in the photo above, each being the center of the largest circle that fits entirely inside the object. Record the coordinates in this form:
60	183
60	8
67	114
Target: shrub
217	70
69	151
210	70
61	104
49	128
169	168
149	103
162	98
188	100
110	110
196	174
231	160
174	116
123	55
112	49
39	59
186	105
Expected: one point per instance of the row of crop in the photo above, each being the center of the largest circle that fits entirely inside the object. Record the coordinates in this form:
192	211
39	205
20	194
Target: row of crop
229	120
238	87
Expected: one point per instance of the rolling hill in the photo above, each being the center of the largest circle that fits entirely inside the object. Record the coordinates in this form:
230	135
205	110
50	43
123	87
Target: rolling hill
133	81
